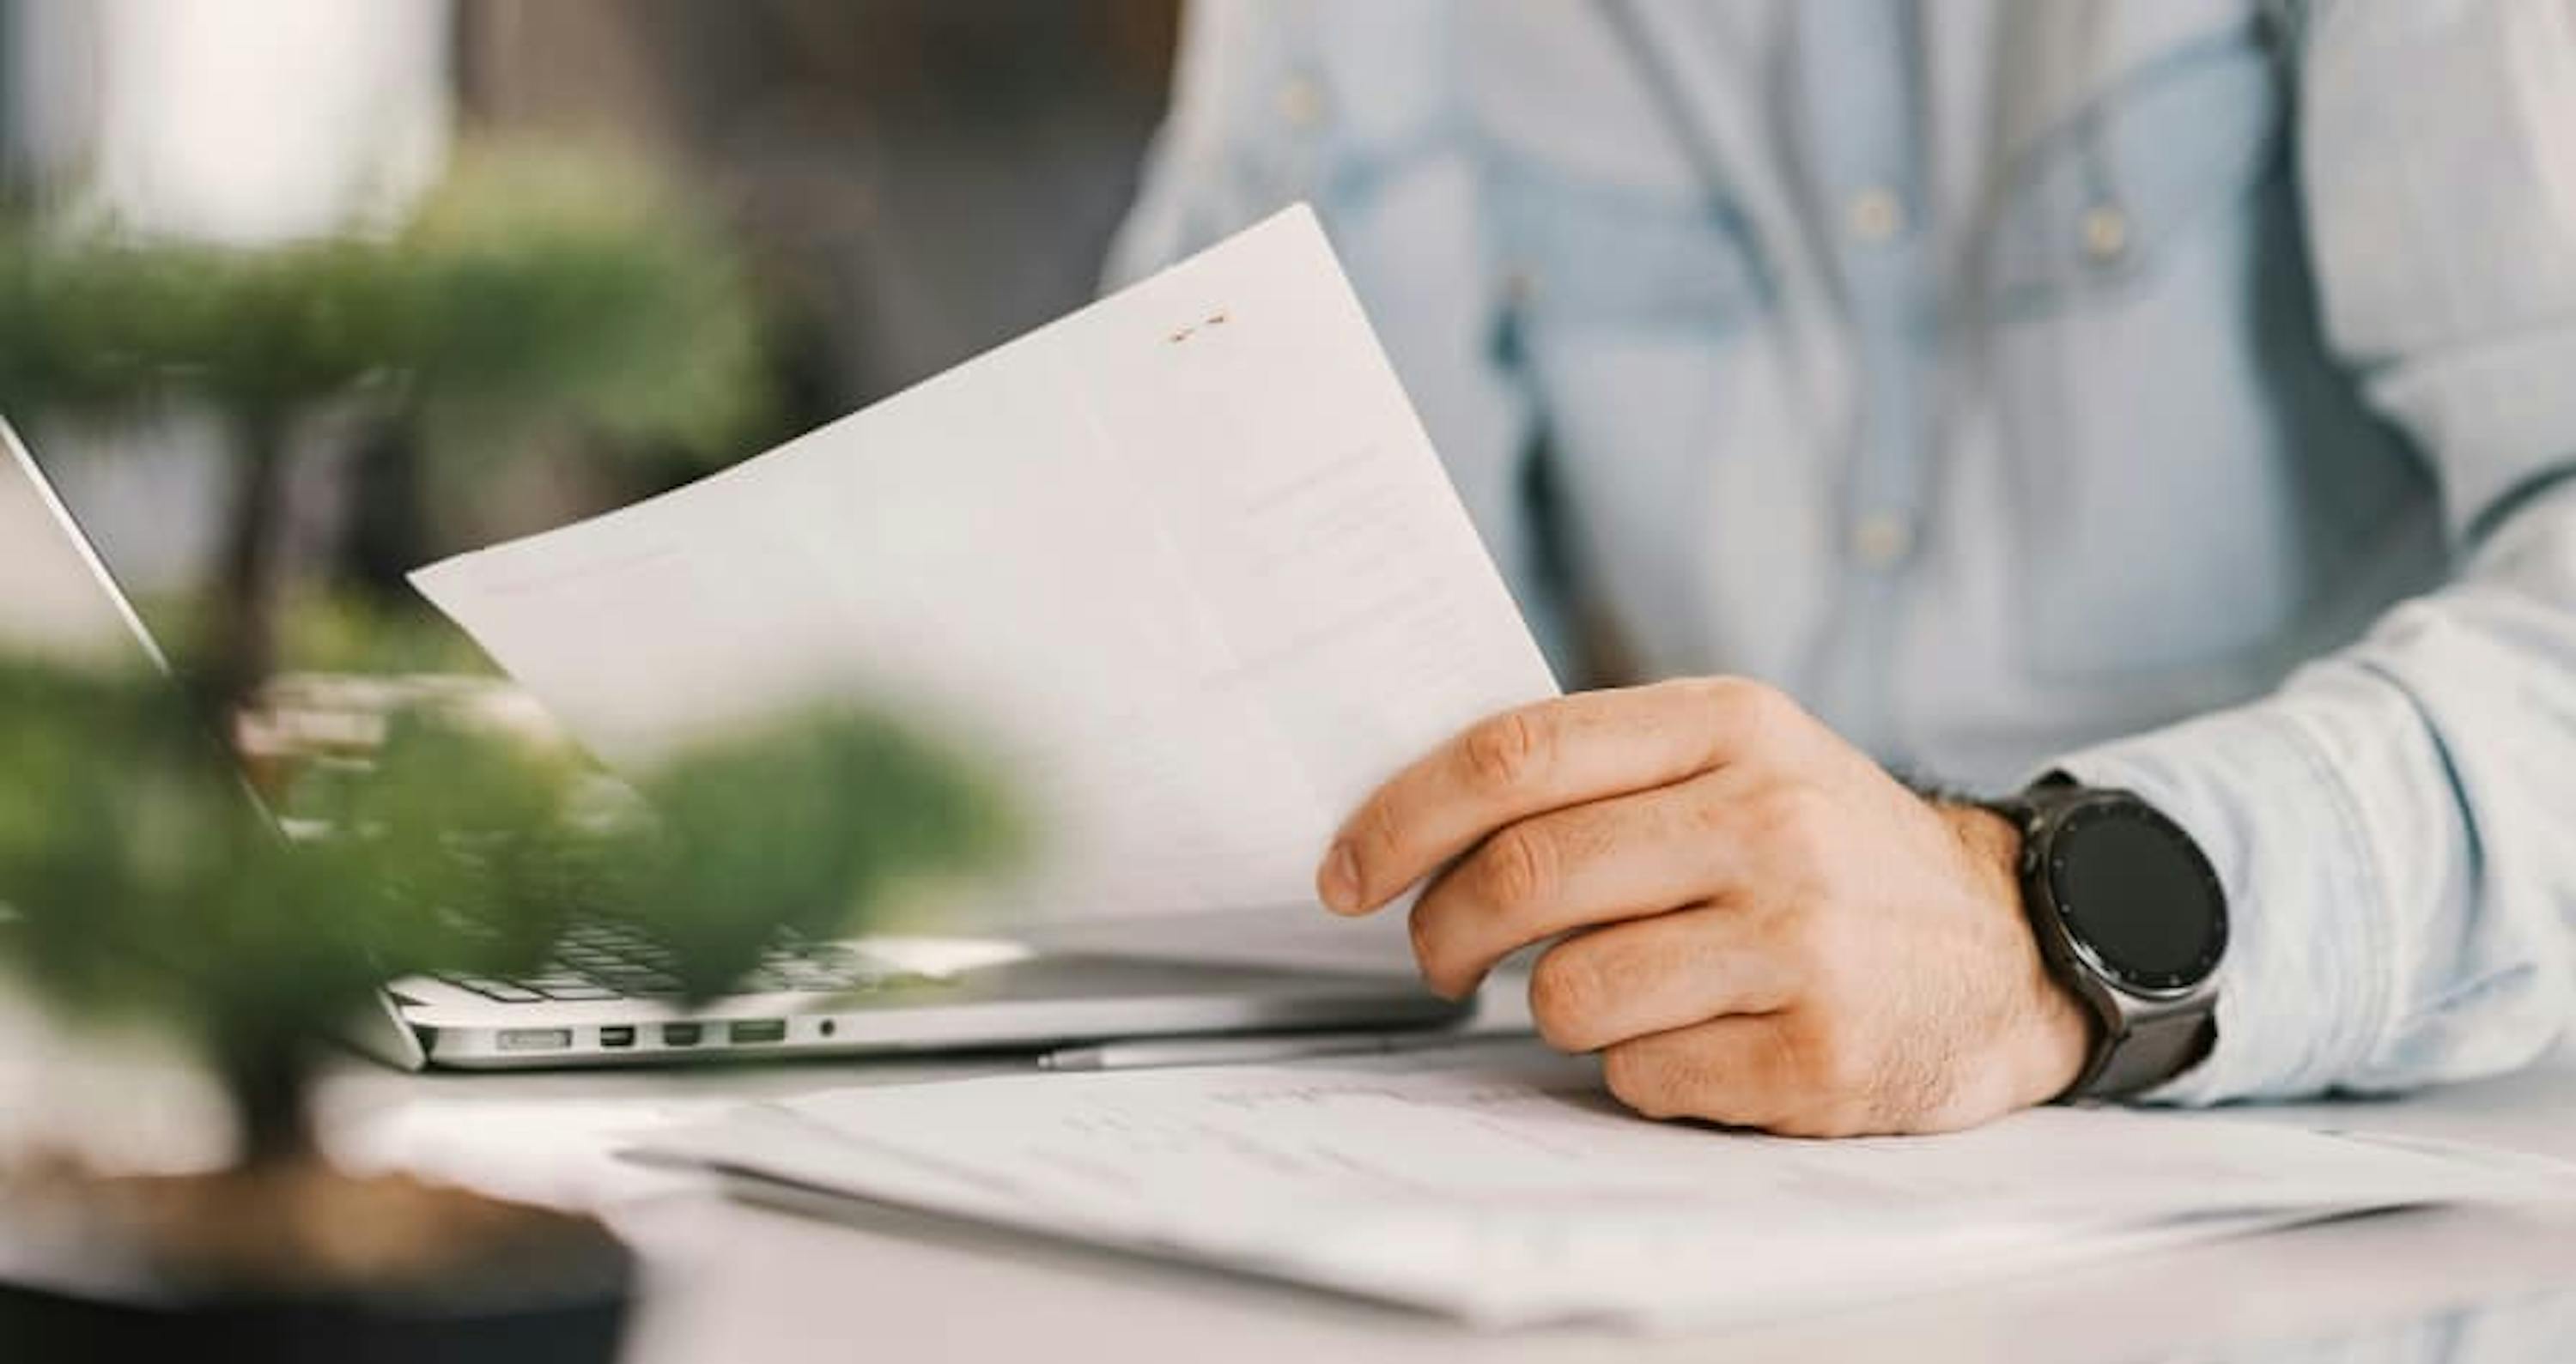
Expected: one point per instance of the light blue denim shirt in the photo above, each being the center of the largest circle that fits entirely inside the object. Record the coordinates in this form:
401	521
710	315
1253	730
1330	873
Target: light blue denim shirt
2175	391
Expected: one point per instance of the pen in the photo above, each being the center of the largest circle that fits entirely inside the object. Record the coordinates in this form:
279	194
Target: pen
1223	1051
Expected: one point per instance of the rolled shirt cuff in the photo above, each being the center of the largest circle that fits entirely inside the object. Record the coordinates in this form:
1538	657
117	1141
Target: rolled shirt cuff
2303	992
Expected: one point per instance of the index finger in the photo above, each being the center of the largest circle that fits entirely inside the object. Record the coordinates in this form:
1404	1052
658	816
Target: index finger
1585	747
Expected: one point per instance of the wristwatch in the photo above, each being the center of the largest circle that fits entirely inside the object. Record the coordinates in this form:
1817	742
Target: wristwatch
2130	915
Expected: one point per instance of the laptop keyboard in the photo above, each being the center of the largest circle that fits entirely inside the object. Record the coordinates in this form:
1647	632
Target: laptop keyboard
605	961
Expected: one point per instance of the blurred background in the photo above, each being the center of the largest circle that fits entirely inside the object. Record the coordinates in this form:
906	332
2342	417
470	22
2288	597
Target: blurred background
902	182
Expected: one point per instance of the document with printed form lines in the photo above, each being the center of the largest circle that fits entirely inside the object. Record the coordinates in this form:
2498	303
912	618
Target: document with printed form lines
1500	1185
1183	564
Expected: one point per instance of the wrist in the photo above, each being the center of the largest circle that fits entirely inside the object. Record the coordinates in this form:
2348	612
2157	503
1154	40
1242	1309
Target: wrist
2050	1033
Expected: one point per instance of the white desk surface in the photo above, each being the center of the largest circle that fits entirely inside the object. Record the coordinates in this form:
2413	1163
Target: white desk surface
735	1282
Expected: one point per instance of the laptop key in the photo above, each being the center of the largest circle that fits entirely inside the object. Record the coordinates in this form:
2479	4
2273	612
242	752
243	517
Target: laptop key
597	962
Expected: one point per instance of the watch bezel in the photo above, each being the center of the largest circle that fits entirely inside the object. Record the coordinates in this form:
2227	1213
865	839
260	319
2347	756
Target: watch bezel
2051	862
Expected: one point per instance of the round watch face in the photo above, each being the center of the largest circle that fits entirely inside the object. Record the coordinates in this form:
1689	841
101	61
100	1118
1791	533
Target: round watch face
2137	896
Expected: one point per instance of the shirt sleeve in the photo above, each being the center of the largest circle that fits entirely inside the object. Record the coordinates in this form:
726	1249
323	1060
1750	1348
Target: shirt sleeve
2396	826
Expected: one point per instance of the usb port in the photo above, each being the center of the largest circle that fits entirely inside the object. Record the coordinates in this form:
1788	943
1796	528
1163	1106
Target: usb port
763	1030
617	1037
535	1039
681	1034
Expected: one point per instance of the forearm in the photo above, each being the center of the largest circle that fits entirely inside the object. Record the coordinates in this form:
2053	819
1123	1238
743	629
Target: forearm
2396	830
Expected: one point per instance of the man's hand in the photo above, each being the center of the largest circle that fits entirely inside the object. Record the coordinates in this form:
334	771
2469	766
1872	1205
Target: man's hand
1760	926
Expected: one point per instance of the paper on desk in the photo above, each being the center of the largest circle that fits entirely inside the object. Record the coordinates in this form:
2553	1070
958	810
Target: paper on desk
1500	1185
1184	562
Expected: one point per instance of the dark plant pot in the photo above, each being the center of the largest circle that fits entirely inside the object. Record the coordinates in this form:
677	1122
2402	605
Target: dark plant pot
508	1283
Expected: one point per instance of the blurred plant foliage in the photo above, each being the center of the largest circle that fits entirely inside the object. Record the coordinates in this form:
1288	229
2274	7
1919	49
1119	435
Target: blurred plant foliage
531	282
535	288
142	883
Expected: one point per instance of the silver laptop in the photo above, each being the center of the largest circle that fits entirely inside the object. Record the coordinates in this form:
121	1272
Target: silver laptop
609	997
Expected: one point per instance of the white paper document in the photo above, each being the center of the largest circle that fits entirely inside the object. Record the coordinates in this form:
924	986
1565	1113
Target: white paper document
1184	564
1500	1184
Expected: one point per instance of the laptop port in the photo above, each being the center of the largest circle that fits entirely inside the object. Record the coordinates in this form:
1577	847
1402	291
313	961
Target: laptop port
535	1039
757	1033
681	1034
617	1037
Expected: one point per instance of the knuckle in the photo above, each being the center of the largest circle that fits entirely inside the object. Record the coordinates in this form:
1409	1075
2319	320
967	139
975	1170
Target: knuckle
1376	839
1761	720
1506	750
1792	942
1836	1067
1810	940
1798	824
1637	1077
1709	815
1704	692
1565	1000
1714	689
1517	867
1759	705
1844	1072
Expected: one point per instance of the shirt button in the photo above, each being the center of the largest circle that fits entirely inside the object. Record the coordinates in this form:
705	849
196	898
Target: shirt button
1882	540
2106	233
1875	215
1301	101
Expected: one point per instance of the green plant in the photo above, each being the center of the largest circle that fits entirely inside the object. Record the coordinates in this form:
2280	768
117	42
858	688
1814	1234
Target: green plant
138	878
141	881
535	287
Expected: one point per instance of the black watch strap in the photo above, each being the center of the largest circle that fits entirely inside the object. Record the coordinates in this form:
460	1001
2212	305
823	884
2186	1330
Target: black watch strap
2151	1052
